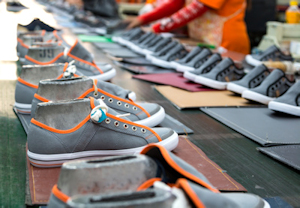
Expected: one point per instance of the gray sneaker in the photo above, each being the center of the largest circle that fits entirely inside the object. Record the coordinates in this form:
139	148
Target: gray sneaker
289	102
271	54
254	78
189	56
148	114
196	62
275	85
226	71
157	44
29	79
177	52
206	67
68	130
163	51
44	54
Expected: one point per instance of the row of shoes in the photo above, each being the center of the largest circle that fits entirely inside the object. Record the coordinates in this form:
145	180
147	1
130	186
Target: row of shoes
75	115
153	178
202	66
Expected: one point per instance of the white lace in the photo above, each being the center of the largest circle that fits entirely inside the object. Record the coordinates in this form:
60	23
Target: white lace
96	114
71	70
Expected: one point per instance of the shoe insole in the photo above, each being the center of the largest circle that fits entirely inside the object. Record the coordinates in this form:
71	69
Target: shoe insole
260	124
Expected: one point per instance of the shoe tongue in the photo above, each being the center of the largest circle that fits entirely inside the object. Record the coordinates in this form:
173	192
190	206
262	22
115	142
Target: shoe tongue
276	74
79	51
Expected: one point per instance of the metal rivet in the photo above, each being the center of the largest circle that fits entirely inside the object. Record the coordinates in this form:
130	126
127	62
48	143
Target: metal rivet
143	130
125	126
116	123
119	103
102	97
134	128
126	105
110	100
107	120
134	108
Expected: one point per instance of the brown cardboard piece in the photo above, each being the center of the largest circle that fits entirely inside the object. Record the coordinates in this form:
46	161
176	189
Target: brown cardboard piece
41	180
183	99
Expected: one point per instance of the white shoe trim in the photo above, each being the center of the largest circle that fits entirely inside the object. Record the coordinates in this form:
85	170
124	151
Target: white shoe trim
161	63
250	95
211	83
23	108
236	88
252	61
190	76
153	120
105	76
285	108
182	68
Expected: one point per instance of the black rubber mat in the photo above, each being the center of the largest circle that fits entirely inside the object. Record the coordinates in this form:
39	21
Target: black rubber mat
176	125
143	69
259	124
24	119
287	154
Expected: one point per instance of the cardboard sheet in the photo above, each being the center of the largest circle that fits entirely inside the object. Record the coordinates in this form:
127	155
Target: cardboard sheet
260	124
24	119
41	180
143	69
175	80
287	154
183	99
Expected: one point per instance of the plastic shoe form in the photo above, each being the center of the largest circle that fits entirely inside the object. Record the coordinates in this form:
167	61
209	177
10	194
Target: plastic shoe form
115	97
30	76
68	130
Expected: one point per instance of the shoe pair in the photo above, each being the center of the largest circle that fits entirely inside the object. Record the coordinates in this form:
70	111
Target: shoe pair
50	53
73	129
153	178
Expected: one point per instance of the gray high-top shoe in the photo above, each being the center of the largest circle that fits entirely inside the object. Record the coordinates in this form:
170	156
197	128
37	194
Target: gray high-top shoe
189	56
177	52
275	85
115	97
206	67
220	75
196	61
44	54
254	78
289	102
68	130
29	79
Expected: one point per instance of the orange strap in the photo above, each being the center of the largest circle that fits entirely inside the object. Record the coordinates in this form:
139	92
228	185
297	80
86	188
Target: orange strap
148	184
27	83
60	195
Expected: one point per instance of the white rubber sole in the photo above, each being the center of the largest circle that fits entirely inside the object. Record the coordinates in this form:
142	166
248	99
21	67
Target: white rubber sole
149	57
266	204
236	88
56	160
161	63
105	76
146	52
182	68
174	64
23	108
153	120
211	83
252	61
285	108
189	76
250	95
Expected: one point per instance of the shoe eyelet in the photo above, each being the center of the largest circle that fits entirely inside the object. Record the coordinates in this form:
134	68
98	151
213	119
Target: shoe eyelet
143	131
107	120
95	94
134	128
119	103
125	126
134	108
110	100
116	123
126	105
102	97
